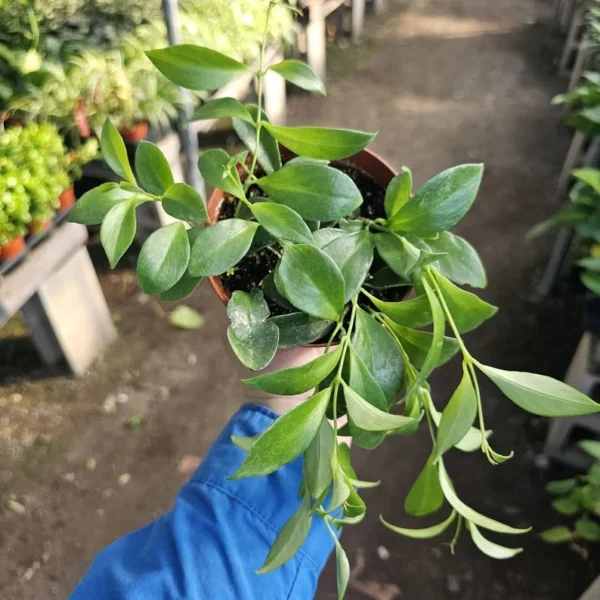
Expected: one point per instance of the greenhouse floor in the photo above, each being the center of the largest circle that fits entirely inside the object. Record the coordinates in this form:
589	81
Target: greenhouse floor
84	461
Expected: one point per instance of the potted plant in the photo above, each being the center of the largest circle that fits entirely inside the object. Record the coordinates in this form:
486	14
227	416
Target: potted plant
311	238
73	163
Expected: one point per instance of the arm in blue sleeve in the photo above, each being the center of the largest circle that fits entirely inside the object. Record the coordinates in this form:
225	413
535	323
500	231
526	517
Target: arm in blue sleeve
218	533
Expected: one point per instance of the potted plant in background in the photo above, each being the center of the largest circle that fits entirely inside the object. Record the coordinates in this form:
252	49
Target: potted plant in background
73	163
311	238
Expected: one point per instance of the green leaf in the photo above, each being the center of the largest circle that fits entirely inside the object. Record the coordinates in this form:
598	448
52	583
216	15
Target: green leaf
321	142
282	222
368	417
185	317
397	252
323	236
223	108
344	461
588	175
196	68
422	534
458	416
467	512
380	353
434	353
318	473
440	203
297	380
244	442
461	264
588	530
299	74
118	230
398	192
467	310
491	549
94	205
268	156
290	538
315	192
340	492
410	313
342	566
592	447
284	440
271	291
541	395
252	338
561	486
153	168
417	343
311	281
299	329
385	279
425	496
221	246
214	167
182	289
114	152
353	254
163	259
557	535
183	202
566	506
591	282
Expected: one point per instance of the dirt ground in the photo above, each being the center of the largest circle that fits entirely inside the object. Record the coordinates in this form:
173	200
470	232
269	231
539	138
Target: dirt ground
444	82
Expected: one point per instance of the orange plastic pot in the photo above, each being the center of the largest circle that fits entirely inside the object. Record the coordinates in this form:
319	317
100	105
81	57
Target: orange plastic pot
67	199
13	249
135	134
36	227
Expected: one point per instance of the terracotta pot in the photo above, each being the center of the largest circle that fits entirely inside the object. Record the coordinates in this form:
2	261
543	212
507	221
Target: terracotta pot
13	249
36	227
81	120
366	160
67	198
135	134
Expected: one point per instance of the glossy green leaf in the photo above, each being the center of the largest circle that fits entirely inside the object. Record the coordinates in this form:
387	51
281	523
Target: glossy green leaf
195	67
184	317
315	192
489	548
340	492
398	192
415	312
368	417
353	254
268	156
182	289
561	486
399	254
282	222
318	473
321	142
342	566
422	534
458	416
244	442
163	259
557	535
344	460
425	496
223	108
118	230
152	168
94	205
299	329
417	343
311	281
299	74
588	175
221	246
213	165
290	538
541	395
592	447
468	311
440	203
287	437
326	235
467	512
588	530
297	380
432	359
183	202
114	151
380	353
252	338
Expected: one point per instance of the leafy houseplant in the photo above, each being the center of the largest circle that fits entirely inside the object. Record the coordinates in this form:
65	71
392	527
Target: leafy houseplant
315	239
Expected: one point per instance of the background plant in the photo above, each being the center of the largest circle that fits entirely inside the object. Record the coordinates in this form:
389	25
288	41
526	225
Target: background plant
342	275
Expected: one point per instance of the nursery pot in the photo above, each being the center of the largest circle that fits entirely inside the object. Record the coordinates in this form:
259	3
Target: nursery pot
367	161
134	134
13	249
67	198
39	226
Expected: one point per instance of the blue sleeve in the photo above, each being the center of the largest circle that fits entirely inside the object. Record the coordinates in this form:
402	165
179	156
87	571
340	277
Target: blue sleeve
218	533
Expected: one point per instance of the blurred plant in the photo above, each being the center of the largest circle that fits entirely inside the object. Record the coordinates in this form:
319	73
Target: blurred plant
578	497
584	101
74	160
